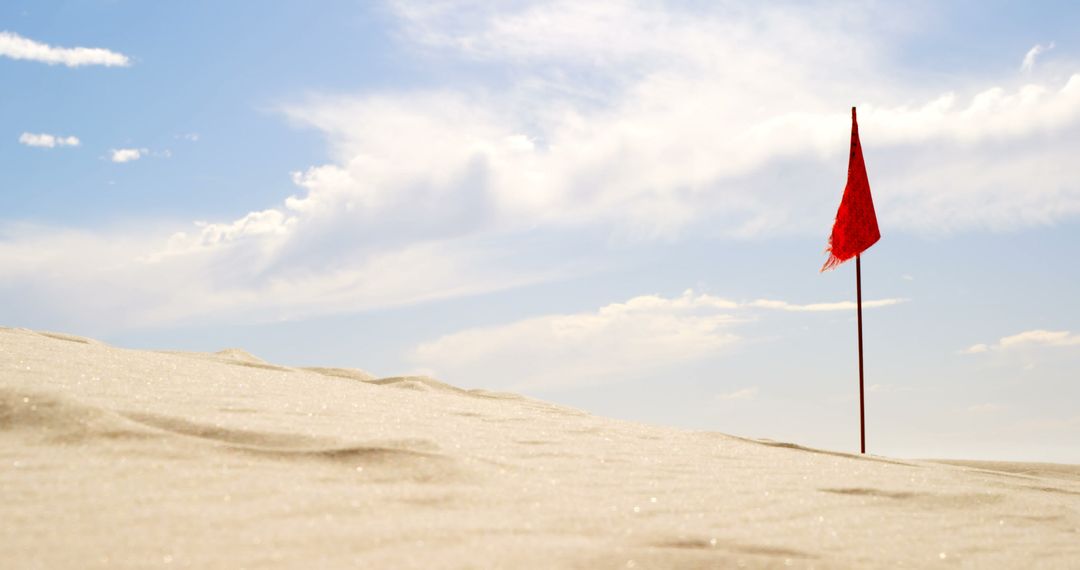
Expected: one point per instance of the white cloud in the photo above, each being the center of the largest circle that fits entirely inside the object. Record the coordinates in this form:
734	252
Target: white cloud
1045	338
1034	52
240	272
262	290
1030	338
17	47
618	342
621	341
122	155
44	140
1040	337
819	307
653	121
743	394
270	225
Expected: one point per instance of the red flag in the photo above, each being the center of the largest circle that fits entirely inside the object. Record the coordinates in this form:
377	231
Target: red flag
855	229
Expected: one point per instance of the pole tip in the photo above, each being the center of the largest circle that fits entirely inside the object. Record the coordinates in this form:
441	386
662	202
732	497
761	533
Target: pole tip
853	112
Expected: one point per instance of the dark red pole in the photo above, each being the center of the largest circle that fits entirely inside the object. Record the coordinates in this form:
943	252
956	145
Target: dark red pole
858	297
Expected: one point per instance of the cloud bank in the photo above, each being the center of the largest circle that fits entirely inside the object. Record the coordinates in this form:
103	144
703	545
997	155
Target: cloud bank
634	122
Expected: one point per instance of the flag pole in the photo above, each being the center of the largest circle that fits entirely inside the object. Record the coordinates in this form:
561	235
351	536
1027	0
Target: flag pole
853	232
858	297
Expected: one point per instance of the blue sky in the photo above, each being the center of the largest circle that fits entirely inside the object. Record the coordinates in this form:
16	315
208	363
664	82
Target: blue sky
619	206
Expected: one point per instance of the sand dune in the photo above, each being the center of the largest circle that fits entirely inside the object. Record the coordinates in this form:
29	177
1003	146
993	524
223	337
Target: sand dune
133	459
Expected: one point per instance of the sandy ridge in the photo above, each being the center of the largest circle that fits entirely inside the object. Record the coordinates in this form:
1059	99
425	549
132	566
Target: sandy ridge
225	460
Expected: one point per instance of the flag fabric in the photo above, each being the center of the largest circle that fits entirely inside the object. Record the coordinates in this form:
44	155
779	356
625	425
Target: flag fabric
855	228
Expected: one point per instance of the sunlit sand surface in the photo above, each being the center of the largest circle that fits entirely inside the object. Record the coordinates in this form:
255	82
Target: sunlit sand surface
134	459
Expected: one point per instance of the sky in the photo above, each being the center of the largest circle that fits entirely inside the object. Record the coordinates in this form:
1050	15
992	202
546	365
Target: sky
614	205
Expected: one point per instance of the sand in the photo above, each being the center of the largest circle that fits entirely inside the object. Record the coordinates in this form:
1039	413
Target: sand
115	458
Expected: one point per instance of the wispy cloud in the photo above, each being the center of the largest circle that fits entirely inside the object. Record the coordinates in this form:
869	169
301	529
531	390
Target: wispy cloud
621	341
1030	338
617	342
820	307
122	155
1040	337
1033	53
44	140
14	46
233	273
